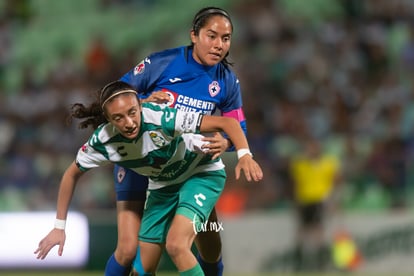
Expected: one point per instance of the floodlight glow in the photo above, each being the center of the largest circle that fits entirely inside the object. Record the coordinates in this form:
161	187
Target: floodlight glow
21	232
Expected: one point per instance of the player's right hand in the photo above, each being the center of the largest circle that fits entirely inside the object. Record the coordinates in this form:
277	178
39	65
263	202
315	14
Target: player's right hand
216	145
251	169
55	237
159	97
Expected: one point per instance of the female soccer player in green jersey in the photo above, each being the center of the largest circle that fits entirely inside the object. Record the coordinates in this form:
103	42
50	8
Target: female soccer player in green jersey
164	144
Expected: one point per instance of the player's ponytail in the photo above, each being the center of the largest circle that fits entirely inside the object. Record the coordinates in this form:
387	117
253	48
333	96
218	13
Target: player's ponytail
92	114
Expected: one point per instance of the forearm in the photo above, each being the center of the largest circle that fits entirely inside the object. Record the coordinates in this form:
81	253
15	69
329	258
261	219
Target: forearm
237	114
231	127
228	125
66	190
237	138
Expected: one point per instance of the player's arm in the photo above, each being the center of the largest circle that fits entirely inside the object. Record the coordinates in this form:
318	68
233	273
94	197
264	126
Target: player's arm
144	76
57	235
232	128
218	144
232	106
238	115
66	190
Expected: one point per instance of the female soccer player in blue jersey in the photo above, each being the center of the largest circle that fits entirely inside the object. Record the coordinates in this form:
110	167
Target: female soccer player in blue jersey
155	141
193	78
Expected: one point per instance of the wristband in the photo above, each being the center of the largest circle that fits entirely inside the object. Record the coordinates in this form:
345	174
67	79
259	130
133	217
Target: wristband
60	224
242	152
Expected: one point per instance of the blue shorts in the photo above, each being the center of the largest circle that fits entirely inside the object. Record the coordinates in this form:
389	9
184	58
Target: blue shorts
129	185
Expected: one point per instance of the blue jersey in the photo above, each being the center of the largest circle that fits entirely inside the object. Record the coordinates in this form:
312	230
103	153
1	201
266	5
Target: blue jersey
190	85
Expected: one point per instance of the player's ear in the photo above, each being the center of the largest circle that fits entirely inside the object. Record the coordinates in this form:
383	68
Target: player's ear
193	36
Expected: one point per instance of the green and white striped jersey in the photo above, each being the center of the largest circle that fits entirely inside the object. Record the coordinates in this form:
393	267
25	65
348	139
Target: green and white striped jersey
167	148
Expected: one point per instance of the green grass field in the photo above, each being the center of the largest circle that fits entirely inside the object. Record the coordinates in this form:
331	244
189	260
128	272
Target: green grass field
97	273
100	273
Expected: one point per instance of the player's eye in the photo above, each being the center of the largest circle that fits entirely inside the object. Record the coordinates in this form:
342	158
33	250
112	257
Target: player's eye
117	118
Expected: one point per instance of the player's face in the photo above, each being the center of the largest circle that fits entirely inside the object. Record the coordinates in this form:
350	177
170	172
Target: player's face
213	41
124	112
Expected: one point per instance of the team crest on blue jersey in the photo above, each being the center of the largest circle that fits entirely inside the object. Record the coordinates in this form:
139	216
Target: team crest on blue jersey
139	69
120	174
157	139
214	88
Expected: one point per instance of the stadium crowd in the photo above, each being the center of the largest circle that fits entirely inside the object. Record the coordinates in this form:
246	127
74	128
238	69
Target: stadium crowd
337	70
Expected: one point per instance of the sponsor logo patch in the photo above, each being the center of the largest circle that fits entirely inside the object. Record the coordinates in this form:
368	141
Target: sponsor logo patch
175	80
139	69
84	148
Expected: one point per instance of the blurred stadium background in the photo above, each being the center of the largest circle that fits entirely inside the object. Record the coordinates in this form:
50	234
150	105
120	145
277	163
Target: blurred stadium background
340	71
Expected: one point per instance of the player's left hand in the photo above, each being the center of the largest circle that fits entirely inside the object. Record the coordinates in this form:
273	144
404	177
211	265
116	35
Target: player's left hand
55	237
251	169
216	146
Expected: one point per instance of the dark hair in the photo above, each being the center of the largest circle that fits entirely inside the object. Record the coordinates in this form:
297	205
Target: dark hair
201	18
204	14
94	113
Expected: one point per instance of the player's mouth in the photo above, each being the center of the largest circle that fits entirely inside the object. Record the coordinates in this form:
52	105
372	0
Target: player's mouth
215	56
131	132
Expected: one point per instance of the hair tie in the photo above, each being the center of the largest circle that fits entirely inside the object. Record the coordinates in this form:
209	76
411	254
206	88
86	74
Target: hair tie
208	12
116	94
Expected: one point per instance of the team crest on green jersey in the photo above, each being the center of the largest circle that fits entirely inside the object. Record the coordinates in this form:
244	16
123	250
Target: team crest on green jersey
157	139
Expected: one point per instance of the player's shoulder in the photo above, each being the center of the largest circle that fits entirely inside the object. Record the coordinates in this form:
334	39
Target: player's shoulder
170	52
157	115
228	75
103	134
226	71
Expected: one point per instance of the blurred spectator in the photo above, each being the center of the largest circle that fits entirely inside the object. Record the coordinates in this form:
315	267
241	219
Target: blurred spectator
19	11
98	61
339	69
5	48
315	175
387	165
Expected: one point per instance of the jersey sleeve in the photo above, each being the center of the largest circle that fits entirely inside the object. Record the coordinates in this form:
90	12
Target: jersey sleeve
233	104
88	158
187	122
174	122
144	76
